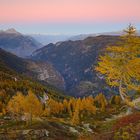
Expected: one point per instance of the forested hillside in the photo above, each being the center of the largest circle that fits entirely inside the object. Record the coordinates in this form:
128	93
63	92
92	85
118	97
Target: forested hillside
16	76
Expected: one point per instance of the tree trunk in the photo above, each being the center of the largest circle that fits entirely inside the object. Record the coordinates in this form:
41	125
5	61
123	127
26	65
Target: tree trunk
125	100
31	118
121	92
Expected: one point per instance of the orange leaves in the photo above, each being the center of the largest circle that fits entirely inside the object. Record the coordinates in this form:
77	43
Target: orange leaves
32	104
76	113
101	101
16	104
53	107
73	108
21	104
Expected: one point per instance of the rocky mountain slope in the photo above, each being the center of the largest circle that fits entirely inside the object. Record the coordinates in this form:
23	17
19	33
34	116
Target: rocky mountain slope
17	43
15	69
75	60
47	73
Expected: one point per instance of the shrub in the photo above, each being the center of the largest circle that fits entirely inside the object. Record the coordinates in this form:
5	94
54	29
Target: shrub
124	121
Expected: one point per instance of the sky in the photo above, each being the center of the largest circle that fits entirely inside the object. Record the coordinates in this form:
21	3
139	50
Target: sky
68	16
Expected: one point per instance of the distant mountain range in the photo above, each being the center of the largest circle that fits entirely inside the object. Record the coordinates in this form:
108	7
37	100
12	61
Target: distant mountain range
46	39
84	36
75	60
17	43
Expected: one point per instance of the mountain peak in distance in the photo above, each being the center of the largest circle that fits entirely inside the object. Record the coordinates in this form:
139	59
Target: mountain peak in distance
10	31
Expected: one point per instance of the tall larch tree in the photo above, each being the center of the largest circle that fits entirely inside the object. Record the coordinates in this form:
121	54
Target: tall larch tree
17	104
120	65
76	113
32	106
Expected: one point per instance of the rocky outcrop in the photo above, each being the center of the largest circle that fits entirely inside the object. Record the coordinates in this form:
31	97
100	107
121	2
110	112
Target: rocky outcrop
47	73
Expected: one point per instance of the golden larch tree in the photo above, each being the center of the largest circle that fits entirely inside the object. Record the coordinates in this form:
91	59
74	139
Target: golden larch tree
120	65
32	105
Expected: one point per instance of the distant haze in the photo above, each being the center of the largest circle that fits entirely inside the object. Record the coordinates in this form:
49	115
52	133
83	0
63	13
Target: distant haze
46	39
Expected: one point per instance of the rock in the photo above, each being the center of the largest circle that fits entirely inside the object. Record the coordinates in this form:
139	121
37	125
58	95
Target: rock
26	132
47	133
7	118
36	133
73	130
46	72
88	129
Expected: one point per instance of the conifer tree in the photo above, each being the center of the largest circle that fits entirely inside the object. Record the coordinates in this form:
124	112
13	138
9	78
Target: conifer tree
75	118
70	107
120	65
32	105
112	100
117	100
16	104
21	105
65	105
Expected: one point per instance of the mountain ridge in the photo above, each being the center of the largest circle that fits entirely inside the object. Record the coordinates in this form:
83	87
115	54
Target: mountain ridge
75	61
28	68
46	38
17	43
84	36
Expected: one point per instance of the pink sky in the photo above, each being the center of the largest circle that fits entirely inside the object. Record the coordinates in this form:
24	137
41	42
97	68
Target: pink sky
69	10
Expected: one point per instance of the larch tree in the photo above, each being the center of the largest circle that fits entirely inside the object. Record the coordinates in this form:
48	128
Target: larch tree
117	100
65	105
17	104
70	107
120	65
53	107
32	106
21	105
76	113
87	105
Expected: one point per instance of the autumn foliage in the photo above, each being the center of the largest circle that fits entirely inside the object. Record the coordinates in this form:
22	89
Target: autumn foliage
27	106
75	110
120	65
126	120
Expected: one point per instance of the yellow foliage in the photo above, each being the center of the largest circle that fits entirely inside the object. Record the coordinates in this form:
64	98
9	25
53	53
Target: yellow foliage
75	118
120	65
32	104
102	102
21	105
16	104
53	107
